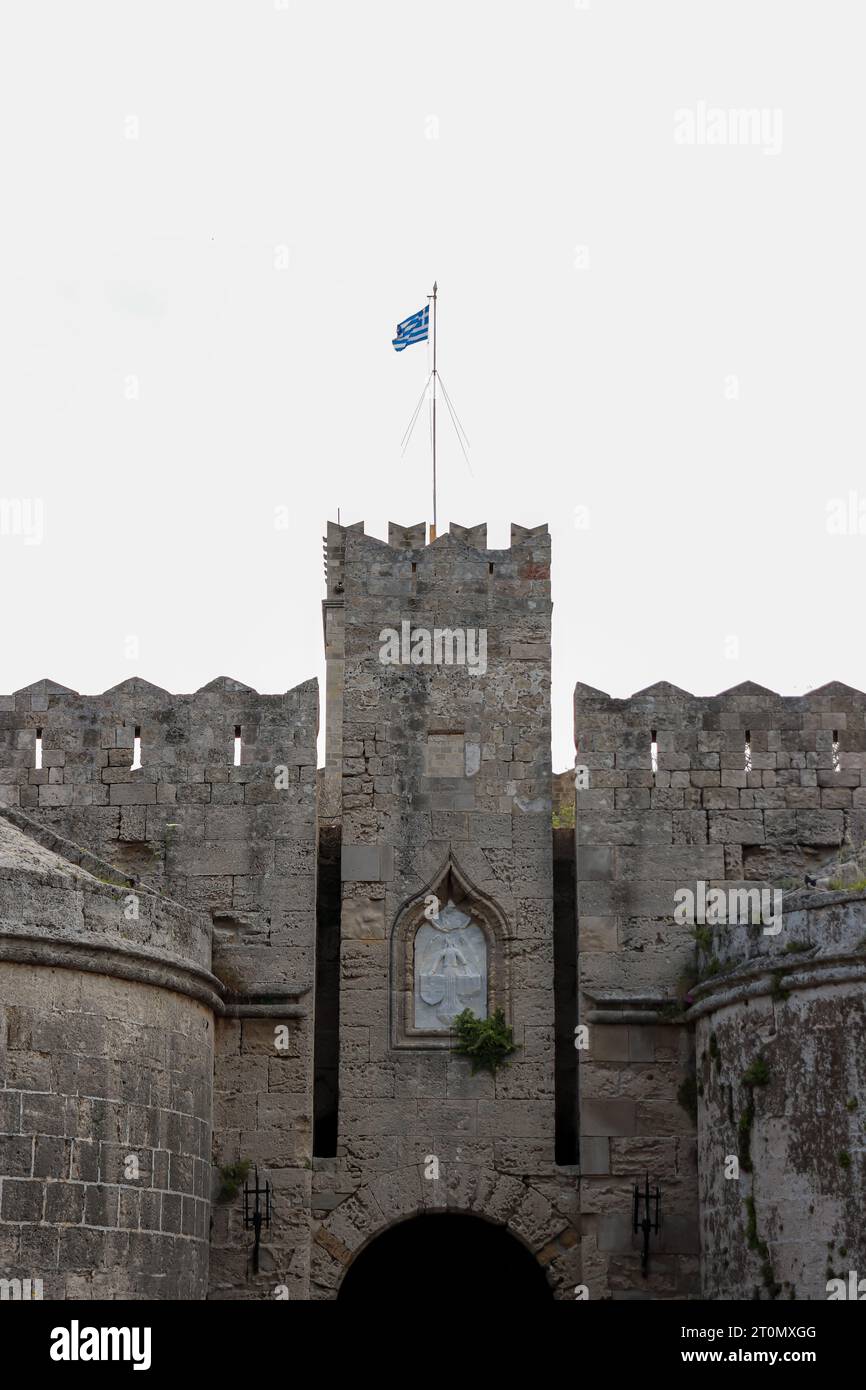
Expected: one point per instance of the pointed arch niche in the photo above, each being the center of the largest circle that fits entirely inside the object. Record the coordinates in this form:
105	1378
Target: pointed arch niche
446	959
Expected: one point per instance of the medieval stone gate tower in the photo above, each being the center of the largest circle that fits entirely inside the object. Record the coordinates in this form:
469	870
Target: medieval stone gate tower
438	775
217	960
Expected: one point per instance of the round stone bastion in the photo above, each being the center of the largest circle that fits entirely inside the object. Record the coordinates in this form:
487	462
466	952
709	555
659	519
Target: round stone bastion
780	1047
106	1062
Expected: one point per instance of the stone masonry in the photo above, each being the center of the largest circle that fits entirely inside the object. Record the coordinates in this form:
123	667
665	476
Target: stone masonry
642	834
234	843
106	1060
218	962
445	790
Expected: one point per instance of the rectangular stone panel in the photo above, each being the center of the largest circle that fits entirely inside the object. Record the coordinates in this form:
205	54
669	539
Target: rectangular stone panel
444	755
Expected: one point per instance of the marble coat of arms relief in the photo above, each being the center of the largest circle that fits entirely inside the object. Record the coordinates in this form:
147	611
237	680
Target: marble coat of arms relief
450	970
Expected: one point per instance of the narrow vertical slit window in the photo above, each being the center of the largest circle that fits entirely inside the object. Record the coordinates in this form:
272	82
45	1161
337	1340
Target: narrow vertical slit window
38	762
654	751
747	752
837	762
237	745
136	749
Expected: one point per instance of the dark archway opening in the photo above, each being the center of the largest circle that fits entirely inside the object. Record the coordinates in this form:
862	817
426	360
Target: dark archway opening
442	1250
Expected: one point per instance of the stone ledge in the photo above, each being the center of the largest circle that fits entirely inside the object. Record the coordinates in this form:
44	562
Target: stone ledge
766	980
102	958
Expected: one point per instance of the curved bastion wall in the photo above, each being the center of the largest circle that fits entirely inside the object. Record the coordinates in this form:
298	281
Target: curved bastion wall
781	1081
207	799
106	1063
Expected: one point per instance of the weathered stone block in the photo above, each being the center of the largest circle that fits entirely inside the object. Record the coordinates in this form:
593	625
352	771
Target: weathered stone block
608	1117
594	1156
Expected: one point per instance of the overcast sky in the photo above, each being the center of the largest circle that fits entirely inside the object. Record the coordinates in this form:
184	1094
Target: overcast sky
216	213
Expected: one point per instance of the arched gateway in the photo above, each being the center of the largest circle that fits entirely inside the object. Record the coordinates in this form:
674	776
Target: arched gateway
445	1250
469	1212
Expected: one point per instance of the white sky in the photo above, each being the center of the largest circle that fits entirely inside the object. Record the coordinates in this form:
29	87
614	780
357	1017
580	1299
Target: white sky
306	126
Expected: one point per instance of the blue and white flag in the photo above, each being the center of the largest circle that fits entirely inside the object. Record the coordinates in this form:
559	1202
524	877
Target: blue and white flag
412	330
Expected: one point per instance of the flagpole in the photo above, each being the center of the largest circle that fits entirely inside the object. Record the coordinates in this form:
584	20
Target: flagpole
415	329
434	295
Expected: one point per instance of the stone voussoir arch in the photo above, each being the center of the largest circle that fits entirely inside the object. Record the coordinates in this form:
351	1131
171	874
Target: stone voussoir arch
398	1196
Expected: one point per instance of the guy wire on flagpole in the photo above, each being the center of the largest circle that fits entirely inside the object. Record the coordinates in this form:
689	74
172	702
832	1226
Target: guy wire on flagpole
436	380
455	420
415	413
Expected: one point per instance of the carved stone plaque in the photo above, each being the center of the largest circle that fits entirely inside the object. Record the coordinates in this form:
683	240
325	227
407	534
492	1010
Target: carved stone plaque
450	970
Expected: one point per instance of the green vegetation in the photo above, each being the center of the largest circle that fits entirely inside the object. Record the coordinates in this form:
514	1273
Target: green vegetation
744	1134
756	1074
755	1243
778	994
704	937
485	1041
233	1176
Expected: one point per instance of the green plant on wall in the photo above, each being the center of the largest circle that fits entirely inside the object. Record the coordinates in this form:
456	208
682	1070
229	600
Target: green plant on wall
487	1042
704	938
755	1243
756	1074
778	993
795	948
233	1177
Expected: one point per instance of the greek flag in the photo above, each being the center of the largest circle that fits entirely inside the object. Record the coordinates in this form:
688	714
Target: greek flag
412	330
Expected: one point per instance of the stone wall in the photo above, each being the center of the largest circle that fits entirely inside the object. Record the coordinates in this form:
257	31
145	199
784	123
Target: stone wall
238	842
641	836
781	1086
106	1060
445	790
141	1036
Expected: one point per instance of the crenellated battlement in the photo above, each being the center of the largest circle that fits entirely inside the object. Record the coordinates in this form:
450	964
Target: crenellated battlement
198	926
453	582
724	795
174	789
410	544
759	772
87	741
193	819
